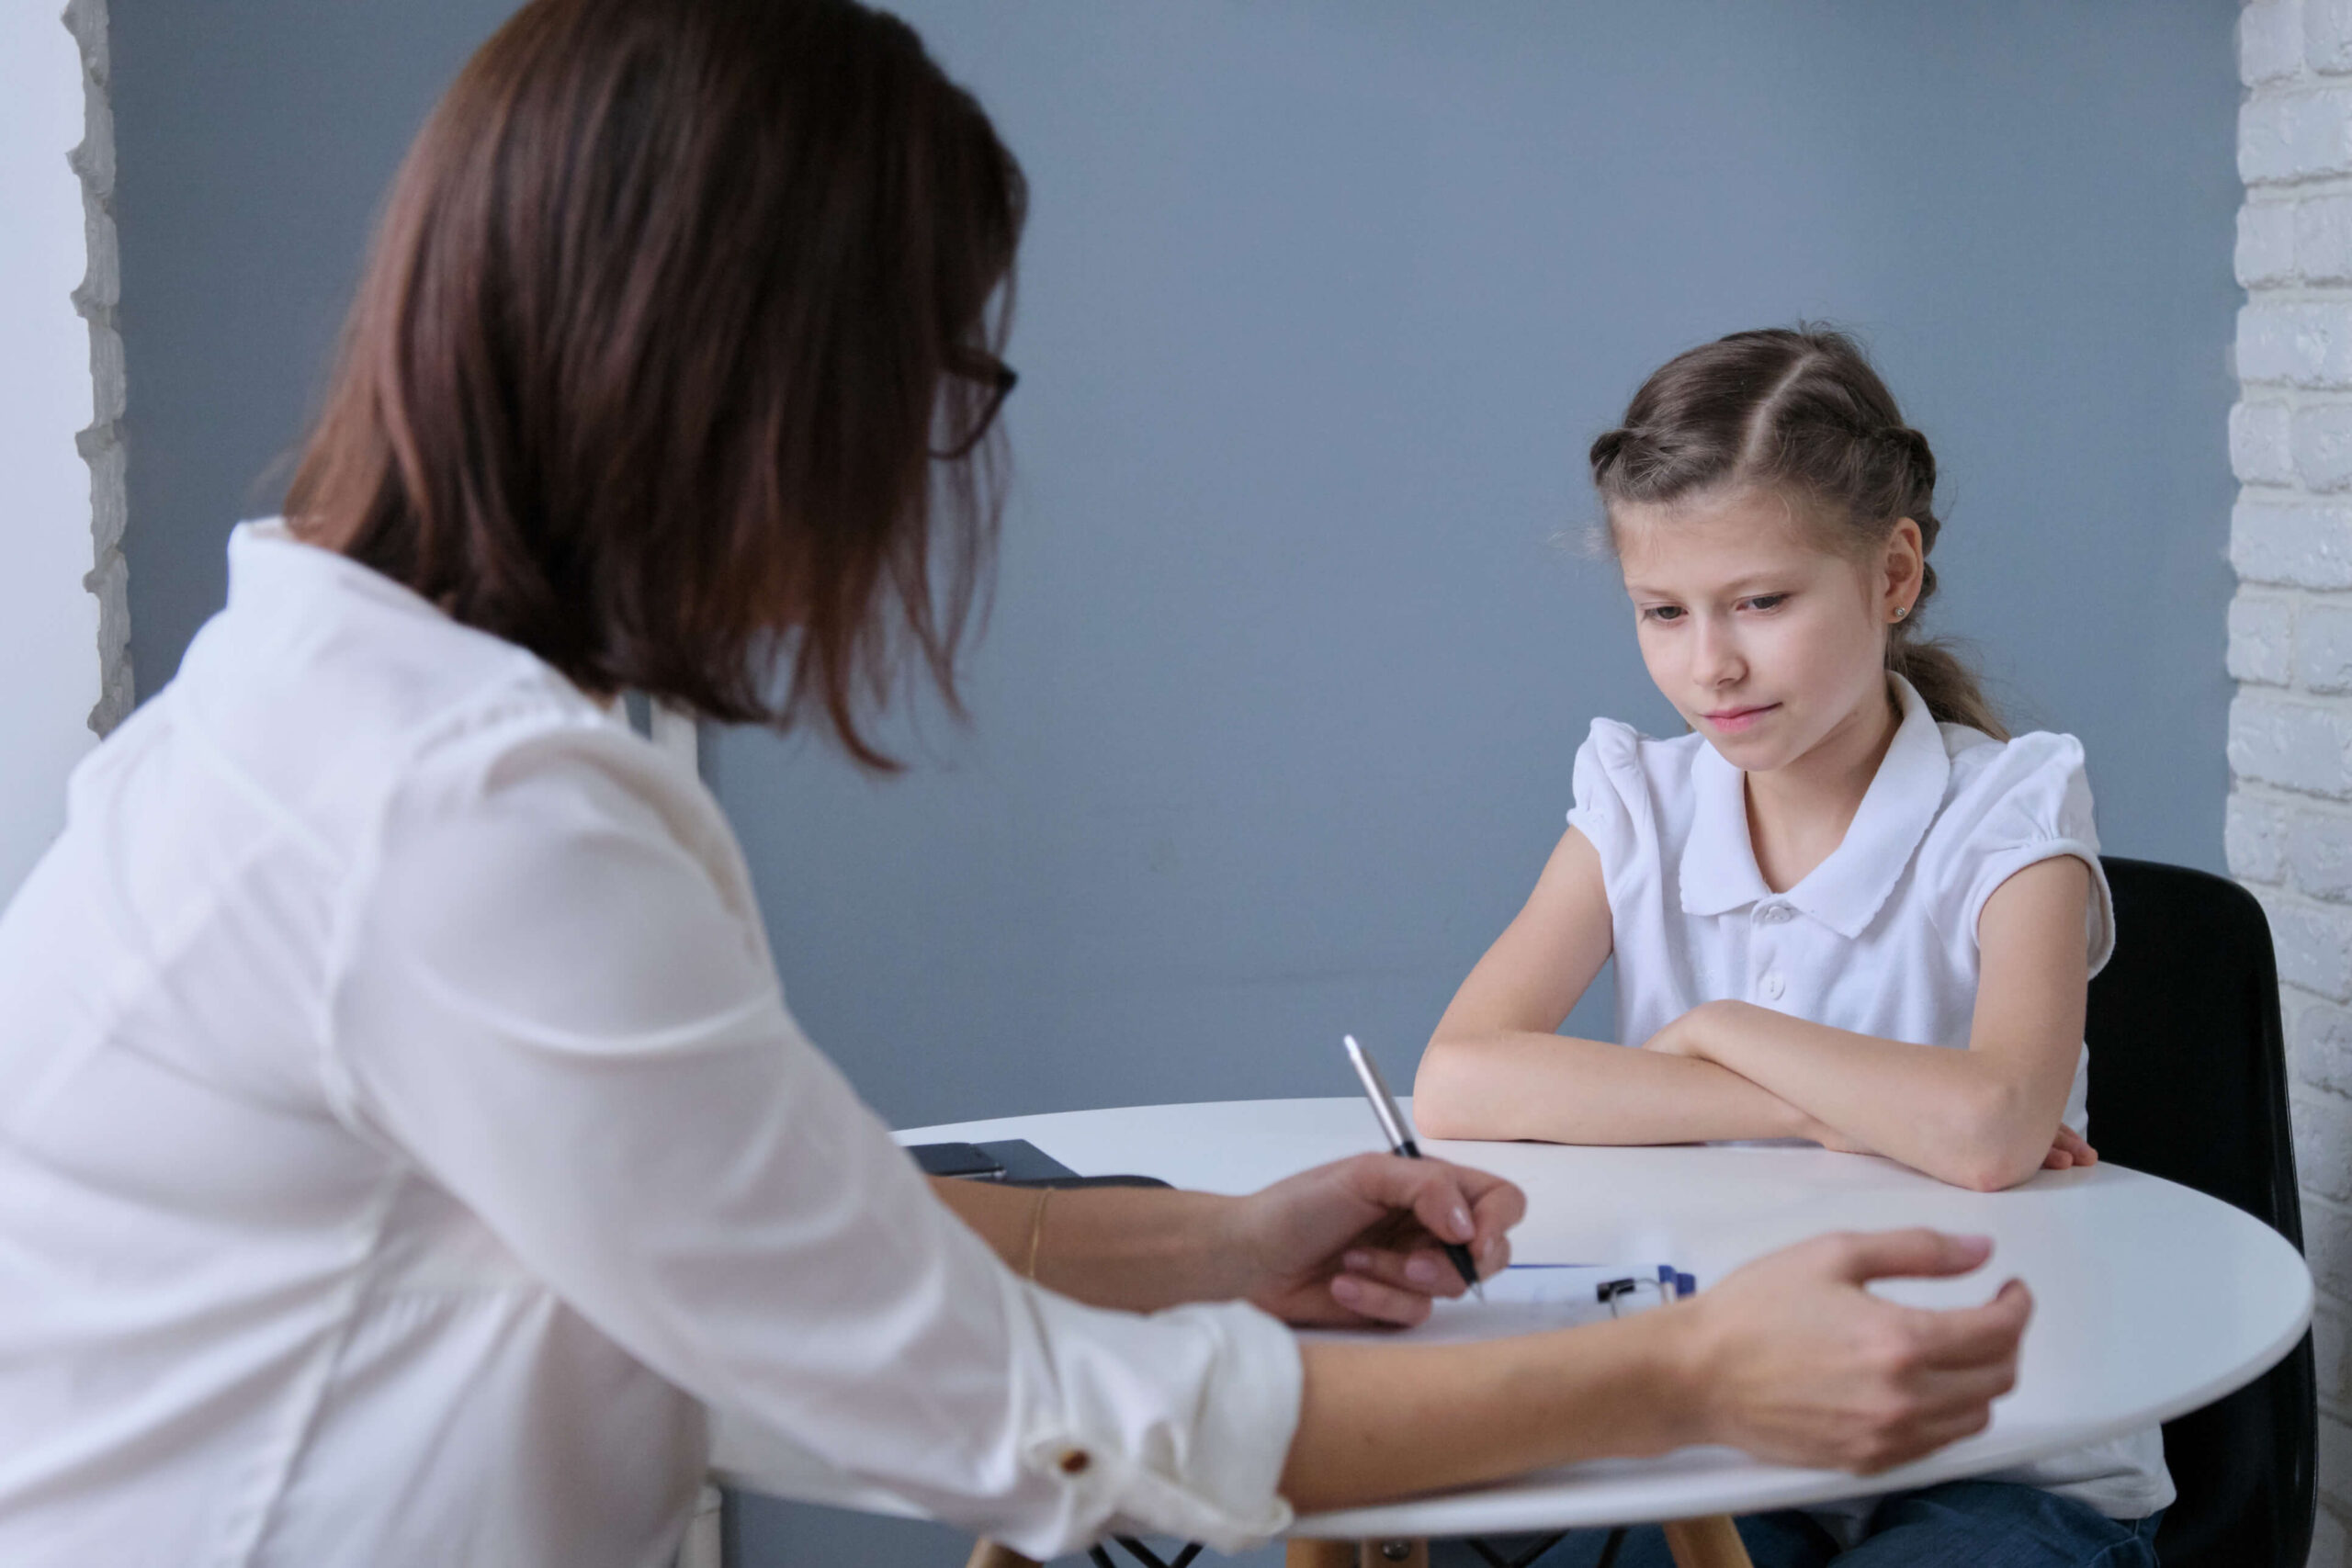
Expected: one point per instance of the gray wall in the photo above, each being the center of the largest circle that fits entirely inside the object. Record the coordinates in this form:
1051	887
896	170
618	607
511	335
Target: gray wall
1319	305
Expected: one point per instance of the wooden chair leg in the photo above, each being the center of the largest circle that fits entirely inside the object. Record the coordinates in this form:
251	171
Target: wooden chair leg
1320	1554
986	1553
1710	1542
1357	1555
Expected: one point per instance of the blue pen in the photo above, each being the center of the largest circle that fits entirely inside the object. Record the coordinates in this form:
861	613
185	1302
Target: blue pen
1400	1140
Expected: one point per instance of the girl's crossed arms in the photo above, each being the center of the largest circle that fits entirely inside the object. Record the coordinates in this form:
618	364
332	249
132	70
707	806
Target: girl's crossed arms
1985	1117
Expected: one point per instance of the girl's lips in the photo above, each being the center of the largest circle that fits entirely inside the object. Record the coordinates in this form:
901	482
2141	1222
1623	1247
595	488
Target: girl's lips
1731	721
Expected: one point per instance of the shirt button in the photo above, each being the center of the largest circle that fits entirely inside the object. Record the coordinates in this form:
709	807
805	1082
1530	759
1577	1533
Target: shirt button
1771	986
1073	1461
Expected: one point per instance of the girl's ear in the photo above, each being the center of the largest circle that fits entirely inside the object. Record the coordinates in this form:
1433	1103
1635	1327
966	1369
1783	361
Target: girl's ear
1905	566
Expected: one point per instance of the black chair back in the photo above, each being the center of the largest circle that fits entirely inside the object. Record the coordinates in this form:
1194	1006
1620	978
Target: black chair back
2189	1082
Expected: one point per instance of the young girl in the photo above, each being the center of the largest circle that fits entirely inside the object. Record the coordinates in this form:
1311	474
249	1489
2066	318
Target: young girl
1847	906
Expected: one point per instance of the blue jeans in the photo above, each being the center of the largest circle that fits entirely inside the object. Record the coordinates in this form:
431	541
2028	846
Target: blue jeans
1961	1524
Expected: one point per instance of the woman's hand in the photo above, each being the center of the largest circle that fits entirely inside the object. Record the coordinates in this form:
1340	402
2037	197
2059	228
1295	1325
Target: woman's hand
1358	1241
1791	1359
1800	1364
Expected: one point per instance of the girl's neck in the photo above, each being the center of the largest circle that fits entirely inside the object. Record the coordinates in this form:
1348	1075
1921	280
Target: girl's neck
1797	816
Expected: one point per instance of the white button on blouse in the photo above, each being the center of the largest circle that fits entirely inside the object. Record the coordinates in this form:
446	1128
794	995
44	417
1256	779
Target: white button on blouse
404	1142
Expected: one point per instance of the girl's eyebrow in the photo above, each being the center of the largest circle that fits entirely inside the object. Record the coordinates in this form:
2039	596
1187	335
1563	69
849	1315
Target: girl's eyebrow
1737	588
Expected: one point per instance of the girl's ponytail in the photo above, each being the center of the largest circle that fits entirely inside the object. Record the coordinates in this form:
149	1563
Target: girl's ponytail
1801	412
1944	683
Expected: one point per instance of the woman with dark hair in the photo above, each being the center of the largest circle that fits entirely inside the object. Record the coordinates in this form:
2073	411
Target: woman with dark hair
403	1141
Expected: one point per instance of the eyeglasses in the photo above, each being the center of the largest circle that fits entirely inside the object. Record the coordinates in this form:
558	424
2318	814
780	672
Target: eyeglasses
967	413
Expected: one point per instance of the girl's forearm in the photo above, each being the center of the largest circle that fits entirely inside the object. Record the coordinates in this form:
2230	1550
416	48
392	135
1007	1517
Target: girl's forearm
1955	1115
1382	1421
1510	1085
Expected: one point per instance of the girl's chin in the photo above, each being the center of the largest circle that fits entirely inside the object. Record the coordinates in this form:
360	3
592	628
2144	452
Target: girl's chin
1749	751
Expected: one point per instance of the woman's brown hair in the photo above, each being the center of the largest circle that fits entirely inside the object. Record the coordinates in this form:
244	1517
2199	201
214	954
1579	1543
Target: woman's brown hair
1803	414
675	354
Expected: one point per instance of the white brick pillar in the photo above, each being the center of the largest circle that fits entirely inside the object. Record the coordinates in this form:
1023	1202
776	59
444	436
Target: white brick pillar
63	631
2289	825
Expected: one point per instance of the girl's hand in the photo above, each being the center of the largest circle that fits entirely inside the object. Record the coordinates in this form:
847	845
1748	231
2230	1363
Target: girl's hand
2067	1150
1680	1038
1830	1138
1356	1242
1688	1035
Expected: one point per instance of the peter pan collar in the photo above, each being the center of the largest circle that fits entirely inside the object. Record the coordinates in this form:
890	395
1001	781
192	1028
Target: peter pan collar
1718	871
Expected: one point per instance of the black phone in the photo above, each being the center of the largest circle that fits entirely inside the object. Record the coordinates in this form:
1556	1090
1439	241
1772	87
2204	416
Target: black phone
958	1159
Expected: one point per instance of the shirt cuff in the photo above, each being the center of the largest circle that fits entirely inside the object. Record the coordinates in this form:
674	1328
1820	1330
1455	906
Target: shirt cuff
1201	1462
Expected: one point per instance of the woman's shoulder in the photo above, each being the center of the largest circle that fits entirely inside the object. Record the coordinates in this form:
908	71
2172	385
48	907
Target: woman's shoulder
531	736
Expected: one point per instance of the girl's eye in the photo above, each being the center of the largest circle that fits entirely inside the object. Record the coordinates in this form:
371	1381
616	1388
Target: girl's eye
1768	601
1662	613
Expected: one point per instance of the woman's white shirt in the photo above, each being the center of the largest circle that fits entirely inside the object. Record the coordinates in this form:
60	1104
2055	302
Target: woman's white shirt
404	1140
1880	938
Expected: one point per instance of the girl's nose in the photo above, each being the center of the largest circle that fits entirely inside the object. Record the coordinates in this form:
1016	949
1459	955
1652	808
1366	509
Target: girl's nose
1715	659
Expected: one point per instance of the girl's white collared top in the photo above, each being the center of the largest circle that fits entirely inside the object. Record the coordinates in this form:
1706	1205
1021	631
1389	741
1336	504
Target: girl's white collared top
404	1140
1880	938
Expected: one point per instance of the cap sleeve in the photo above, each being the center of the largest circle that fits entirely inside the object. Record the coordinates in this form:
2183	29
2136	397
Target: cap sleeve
1610	794
2029	802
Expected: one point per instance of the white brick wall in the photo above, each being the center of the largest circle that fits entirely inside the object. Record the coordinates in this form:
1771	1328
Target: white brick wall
2289	823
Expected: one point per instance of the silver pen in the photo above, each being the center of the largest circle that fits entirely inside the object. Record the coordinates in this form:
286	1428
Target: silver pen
1400	1140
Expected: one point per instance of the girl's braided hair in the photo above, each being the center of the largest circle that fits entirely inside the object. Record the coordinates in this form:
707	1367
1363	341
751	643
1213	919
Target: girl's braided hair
1802	413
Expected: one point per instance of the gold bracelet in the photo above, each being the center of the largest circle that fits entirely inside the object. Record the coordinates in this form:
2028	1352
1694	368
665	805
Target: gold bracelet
1037	1230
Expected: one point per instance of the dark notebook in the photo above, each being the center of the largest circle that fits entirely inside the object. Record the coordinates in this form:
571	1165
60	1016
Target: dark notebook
1026	1164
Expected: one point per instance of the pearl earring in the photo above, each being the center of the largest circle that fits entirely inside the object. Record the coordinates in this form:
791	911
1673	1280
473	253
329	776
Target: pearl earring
1901	611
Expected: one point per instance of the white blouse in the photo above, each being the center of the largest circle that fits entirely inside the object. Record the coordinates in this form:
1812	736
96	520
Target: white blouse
404	1142
1880	938
1950	814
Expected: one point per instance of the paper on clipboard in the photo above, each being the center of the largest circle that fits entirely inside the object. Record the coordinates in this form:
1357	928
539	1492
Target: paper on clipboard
1531	1299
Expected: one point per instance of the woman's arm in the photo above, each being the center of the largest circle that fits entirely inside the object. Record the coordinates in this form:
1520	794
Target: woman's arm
1984	1117
1495	1068
1789	1358
1353	1242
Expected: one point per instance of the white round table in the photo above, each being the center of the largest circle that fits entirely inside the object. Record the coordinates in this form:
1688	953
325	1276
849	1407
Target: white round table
2150	1299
